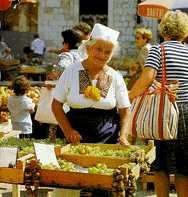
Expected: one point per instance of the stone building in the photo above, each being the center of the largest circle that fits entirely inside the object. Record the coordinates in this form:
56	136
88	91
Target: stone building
50	17
57	15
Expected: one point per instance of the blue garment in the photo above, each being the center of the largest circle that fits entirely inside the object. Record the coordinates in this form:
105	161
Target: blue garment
19	107
96	125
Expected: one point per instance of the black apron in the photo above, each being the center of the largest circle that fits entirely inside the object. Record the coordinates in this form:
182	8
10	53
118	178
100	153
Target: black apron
96	125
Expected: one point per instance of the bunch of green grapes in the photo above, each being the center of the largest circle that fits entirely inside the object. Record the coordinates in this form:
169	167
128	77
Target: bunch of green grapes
101	168
67	166
97	151
16	142
83	149
25	150
49	167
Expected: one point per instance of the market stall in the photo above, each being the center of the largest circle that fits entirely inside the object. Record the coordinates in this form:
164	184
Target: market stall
111	167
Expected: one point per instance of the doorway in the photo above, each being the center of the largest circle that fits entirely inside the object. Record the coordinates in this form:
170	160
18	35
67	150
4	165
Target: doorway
94	11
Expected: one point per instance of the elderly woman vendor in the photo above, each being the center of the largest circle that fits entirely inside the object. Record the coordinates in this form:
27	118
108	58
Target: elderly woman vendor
96	93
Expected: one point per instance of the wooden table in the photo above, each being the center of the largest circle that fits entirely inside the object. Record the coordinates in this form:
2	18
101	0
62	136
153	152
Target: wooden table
6	66
37	73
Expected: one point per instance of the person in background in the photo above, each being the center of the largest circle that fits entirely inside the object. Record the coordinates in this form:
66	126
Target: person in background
5	51
82	28
38	46
94	91
28	55
171	155
20	106
70	54
142	40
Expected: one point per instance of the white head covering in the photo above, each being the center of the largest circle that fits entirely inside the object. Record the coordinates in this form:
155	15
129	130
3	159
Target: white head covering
99	32
103	32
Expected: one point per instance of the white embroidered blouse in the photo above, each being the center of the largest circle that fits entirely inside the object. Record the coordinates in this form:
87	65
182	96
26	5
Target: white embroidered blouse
68	90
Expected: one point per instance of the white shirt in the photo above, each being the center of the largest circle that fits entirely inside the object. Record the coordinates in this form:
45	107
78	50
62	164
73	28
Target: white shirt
67	90
67	58
38	46
19	107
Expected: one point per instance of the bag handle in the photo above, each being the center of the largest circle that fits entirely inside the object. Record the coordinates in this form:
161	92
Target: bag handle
163	58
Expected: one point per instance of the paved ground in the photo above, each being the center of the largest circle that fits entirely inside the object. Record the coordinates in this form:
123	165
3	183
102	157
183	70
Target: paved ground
5	191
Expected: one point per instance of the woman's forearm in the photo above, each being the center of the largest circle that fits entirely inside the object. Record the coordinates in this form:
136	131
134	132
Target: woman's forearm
124	121
145	80
57	109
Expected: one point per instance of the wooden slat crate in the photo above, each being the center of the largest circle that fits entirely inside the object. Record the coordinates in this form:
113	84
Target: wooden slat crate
12	175
88	160
57	178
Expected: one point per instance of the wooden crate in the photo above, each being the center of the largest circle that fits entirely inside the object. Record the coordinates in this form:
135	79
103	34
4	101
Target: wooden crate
12	175
57	178
88	160
75	180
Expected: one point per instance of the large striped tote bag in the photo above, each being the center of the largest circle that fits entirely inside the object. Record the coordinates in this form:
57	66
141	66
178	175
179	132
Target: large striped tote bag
154	115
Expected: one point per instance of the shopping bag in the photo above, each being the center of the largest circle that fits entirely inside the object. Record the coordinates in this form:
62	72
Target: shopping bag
154	114
44	112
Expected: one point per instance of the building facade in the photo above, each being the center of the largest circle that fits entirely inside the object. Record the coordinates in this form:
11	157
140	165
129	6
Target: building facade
58	15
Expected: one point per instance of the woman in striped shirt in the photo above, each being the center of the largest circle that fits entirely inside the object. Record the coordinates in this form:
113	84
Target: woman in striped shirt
172	155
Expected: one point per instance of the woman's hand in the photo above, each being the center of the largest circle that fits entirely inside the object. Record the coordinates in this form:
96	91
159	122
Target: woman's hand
123	140
125	125
72	136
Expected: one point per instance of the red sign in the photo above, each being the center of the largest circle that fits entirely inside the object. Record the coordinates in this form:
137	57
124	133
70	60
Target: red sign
5	4
154	11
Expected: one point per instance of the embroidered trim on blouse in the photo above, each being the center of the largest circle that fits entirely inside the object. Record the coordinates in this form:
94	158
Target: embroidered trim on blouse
103	82
83	81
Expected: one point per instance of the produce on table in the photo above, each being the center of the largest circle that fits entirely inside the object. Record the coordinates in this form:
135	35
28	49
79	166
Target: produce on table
67	166
1	134
3	96
34	94
25	145
98	151
64	166
101	168
3	116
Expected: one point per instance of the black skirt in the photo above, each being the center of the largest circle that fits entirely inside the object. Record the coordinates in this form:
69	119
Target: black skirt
95	125
172	156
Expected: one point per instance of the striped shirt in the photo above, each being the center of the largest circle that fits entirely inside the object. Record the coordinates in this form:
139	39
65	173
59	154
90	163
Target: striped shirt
176	65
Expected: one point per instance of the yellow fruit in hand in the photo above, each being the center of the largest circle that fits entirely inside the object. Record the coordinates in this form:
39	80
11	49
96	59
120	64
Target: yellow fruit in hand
92	92
87	91
95	93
